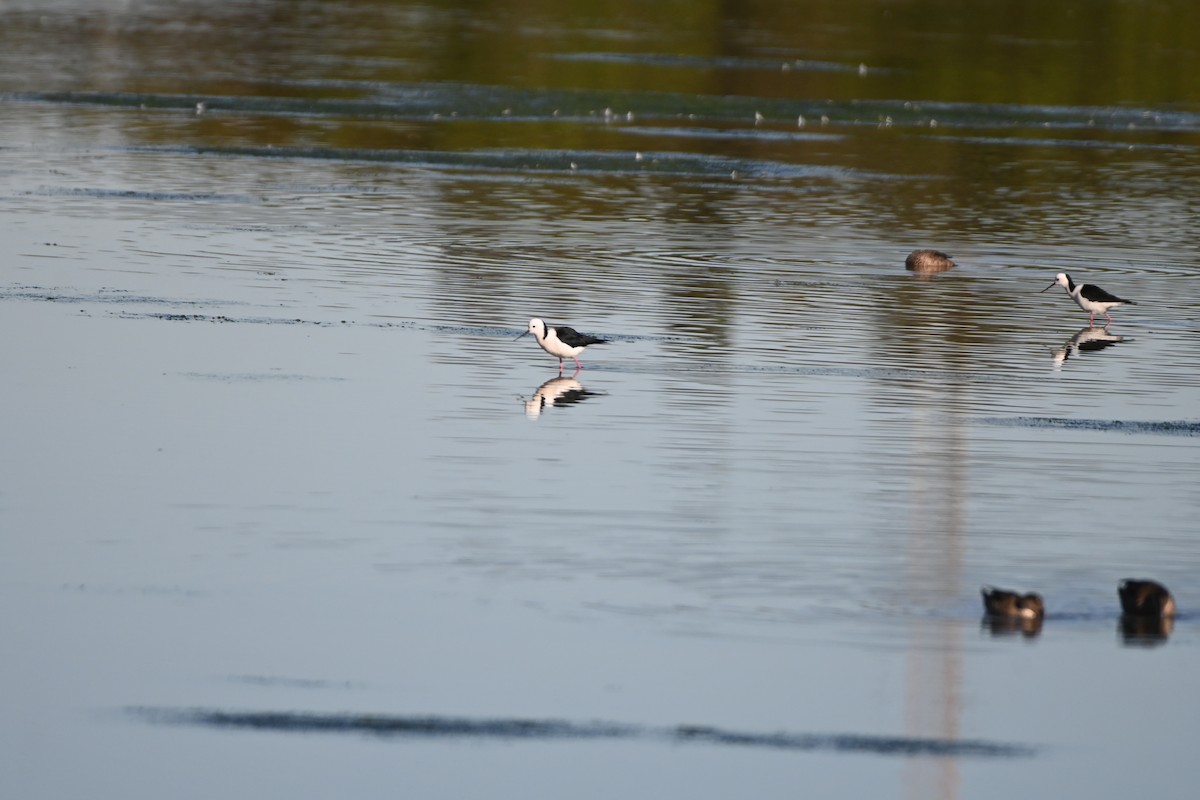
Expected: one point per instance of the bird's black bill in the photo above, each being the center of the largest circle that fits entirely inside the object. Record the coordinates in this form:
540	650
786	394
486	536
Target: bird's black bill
526	333
1048	288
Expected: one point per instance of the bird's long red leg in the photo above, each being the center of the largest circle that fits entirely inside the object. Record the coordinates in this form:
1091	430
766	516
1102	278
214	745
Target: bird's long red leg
577	364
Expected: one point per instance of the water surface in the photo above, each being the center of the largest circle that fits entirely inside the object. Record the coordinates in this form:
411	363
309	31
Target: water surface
284	499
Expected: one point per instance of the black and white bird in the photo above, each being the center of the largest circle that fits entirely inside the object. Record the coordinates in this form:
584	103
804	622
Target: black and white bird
560	341
1003	603
1144	598
1089	297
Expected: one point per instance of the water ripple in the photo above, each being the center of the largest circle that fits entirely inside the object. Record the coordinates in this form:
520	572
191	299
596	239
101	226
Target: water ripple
465	101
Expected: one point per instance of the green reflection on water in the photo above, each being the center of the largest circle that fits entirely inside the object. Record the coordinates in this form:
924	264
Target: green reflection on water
949	119
1075	53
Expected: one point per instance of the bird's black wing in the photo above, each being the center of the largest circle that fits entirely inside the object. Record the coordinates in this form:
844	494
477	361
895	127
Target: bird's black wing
573	338
1098	295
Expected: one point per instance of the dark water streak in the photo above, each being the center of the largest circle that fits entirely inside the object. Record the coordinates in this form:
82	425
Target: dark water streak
439	727
1164	428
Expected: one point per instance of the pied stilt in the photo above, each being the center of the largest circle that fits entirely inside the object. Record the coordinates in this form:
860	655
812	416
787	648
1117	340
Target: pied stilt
560	341
1089	297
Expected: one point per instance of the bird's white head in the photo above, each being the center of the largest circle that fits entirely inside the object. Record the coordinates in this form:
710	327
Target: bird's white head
537	328
1061	279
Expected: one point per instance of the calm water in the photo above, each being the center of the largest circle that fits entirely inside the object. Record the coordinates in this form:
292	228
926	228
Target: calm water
284	509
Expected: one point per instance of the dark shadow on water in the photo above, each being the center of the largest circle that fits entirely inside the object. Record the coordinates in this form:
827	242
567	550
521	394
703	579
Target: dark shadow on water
557	392
256	377
60	295
710	62
510	729
1165	428
150	197
292	683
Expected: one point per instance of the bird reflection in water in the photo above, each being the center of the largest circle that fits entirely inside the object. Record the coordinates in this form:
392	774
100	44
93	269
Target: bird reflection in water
999	627
1088	340
558	393
1145	631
